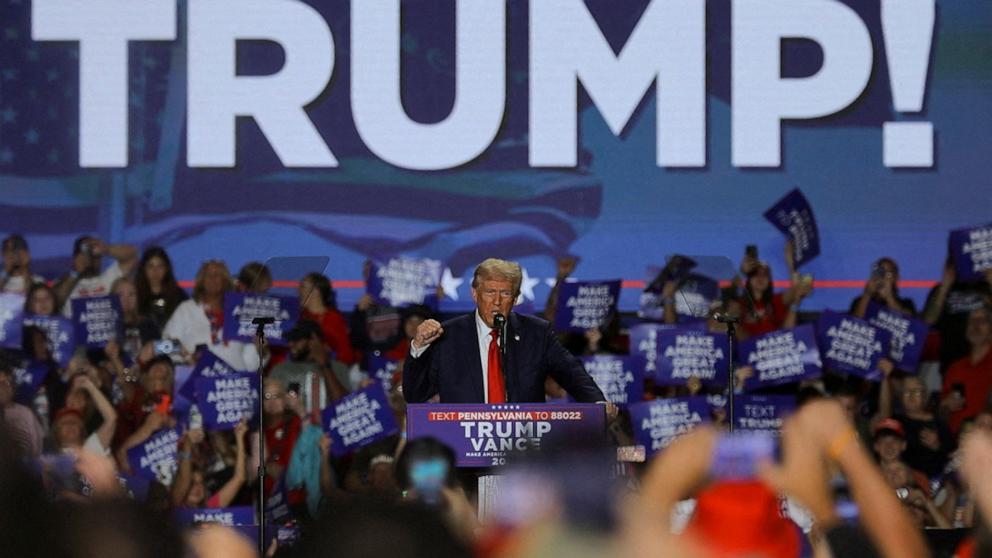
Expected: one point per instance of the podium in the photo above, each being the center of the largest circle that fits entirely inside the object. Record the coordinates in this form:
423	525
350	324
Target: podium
484	435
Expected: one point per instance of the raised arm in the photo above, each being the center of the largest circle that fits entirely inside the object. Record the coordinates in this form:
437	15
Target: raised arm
105	433
184	473
230	489
566	265
935	302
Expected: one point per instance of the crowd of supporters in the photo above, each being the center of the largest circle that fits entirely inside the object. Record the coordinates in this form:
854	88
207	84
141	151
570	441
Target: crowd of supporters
926	433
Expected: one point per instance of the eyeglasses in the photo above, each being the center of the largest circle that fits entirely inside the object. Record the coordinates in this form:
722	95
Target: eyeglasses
492	294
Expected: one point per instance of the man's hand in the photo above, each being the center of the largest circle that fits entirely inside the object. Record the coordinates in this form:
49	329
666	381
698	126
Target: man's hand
427	332
681	469
803	473
822	421
365	302
566	265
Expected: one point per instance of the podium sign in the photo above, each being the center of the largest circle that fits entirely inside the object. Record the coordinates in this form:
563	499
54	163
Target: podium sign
483	435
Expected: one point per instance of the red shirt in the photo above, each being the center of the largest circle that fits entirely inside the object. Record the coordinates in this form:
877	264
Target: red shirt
279	442
977	381
769	316
335	332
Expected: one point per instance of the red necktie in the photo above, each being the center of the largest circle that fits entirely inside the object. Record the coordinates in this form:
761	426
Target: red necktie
497	393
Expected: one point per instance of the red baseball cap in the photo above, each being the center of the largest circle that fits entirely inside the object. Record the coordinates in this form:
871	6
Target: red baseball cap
889	424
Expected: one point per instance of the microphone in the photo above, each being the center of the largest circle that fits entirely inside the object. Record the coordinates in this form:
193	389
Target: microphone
260	324
725	318
499	322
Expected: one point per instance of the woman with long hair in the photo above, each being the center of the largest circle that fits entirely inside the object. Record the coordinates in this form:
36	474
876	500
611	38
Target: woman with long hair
40	300
318	304
158	291
762	309
200	320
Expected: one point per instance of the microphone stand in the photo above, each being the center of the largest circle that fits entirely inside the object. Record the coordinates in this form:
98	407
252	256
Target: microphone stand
730	322
260	324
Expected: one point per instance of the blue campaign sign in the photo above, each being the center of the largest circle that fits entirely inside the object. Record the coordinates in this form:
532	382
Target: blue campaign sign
155	458
241	308
620	380
404	281
683	354
225	400
762	413
793	216
584	305
241	515
908	334
97	320
359	419
382	368
781	357
60	333
658	423
848	344
11	320
28	378
134	486
972	252
483	435
644	346
209	366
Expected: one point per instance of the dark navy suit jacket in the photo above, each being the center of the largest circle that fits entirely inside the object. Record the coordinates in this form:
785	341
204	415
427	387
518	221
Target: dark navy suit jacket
451	366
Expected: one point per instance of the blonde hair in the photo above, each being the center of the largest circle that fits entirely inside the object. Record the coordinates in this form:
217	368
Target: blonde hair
494	268
198	288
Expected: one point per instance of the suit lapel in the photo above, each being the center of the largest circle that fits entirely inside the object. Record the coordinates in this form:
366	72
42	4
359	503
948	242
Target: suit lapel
469	359
512	354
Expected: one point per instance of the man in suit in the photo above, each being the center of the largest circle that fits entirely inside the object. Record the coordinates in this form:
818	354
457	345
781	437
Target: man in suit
461	362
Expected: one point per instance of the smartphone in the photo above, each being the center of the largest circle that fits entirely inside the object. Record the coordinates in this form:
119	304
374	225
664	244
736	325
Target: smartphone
751	251
736	456
195	419
427	477
165	347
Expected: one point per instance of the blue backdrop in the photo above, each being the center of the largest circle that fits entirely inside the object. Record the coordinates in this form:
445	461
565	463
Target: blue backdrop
617	209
